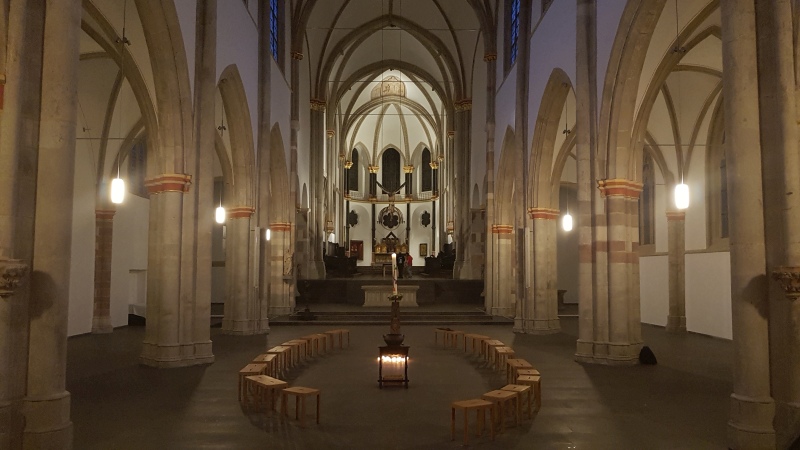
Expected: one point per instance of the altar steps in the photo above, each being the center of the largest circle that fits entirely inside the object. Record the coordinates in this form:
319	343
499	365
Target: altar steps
382	317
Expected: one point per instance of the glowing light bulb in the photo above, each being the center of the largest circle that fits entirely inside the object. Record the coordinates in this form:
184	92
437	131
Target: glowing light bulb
682	196
566	222
219	214
117	190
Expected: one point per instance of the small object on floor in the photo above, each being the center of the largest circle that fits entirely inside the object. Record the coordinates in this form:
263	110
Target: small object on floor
646	356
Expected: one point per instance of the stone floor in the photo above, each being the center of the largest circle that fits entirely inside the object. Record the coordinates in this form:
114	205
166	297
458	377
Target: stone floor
680	403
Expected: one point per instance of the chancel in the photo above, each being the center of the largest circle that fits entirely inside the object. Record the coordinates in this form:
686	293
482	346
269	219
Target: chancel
210	212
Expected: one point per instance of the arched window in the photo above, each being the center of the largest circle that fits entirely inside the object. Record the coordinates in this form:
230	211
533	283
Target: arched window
647	228
275	29
352	174
427	172
390	170
512	31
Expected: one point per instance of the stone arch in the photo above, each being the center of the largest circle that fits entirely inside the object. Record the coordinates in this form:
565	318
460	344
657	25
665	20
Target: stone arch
547	176
237	112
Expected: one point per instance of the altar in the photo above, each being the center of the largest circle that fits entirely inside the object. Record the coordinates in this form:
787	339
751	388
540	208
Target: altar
378	295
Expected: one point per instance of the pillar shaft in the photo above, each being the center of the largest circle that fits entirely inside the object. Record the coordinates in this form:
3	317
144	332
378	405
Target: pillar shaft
752	407
104	233
541	315
47	403
281	295
676	226
240	308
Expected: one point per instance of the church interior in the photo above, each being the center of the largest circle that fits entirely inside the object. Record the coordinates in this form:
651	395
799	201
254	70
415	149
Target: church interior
188	184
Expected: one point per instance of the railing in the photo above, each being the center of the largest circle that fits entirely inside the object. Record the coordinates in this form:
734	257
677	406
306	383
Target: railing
357	196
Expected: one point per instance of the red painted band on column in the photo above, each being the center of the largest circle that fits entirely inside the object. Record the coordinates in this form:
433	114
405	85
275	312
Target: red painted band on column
241	212
172	182
502	229
619	187
543	213
676	215
104	214
280	226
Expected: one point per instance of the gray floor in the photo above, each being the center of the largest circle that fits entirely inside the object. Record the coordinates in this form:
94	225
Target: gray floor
679	404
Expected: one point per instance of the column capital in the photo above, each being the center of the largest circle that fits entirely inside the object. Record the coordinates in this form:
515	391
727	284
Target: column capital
106	215
408	169
12	271
330	133
434	165
463	105
373	169
451	134
490	57
543	213
348	164
169	182
317	104
297	55
280	226
789	278
620	187
502	229
676	215
240	212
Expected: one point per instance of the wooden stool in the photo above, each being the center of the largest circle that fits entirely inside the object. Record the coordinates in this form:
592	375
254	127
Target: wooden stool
270	360
451	338
524	391
299	349
332	335
284	357
480	407
513	366
300	394
312	341
490	345
323	338
265	388
443	332
502	354
503	400
475	338
535	381
342	333
250	369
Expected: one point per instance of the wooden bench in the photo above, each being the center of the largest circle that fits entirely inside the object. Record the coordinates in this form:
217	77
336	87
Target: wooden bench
284	356
476	339
502	354
480	407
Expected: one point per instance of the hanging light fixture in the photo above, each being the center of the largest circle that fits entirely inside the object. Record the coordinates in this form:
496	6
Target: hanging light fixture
681	190
681	195
566	221
118	184
219	213
268	234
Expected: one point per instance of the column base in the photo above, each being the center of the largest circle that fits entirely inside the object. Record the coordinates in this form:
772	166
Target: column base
676	324
623	354
102	325
47	424
750	424
176	355
542	326
584	351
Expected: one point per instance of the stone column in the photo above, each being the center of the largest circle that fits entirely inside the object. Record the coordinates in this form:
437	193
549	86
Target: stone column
435	174
490	249
542	307
752	407
47	402
409	171
373	182
281	302
676	226
461	178
104	232
318	236
503	305
347	165
240	311
789	278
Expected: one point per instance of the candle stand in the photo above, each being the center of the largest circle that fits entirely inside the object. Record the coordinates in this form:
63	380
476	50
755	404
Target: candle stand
393	357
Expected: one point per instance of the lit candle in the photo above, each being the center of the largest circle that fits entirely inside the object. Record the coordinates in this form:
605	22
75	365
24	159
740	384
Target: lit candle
394	273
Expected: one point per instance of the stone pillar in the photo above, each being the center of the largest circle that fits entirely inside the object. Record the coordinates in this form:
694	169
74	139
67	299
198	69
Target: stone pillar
752	407
676	226
409	171
541	313
489	249
503	304
461	178
47	402
623	327
318	236
347	166
104	232
373	182
281	295
240	312
435	172
789	278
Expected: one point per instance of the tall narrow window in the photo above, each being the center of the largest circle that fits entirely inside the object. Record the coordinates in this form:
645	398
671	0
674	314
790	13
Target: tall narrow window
512	32
647	229
274	28
390	171
427	172
352	174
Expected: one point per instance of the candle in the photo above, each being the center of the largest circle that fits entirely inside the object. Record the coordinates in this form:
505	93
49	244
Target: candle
394	273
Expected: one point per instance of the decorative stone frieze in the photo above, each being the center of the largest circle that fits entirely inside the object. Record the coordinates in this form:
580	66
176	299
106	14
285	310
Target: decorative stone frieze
330	133
171	182
280	226
12	272
543	213
348	164
434	165
676	215
463	105
789	278
619	187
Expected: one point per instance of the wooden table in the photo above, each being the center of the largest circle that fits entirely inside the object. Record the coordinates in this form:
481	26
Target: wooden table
300	394
524	391
502	354
480	407
265	388
503	400
270	360
513	366
250	369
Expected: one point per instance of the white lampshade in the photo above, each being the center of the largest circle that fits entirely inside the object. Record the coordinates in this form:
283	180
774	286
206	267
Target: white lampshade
117	190
219	214
682	196
566	222
269	234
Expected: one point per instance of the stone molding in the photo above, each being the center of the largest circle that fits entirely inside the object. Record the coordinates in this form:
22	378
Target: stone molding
490	57
297	55
543	213
12	272
170	182
280	226
676	215
451	133
348	164
463	105
789	278
502	229
241	212
373	169
434	165
317	104
619	187
330	133
408	169
104	215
